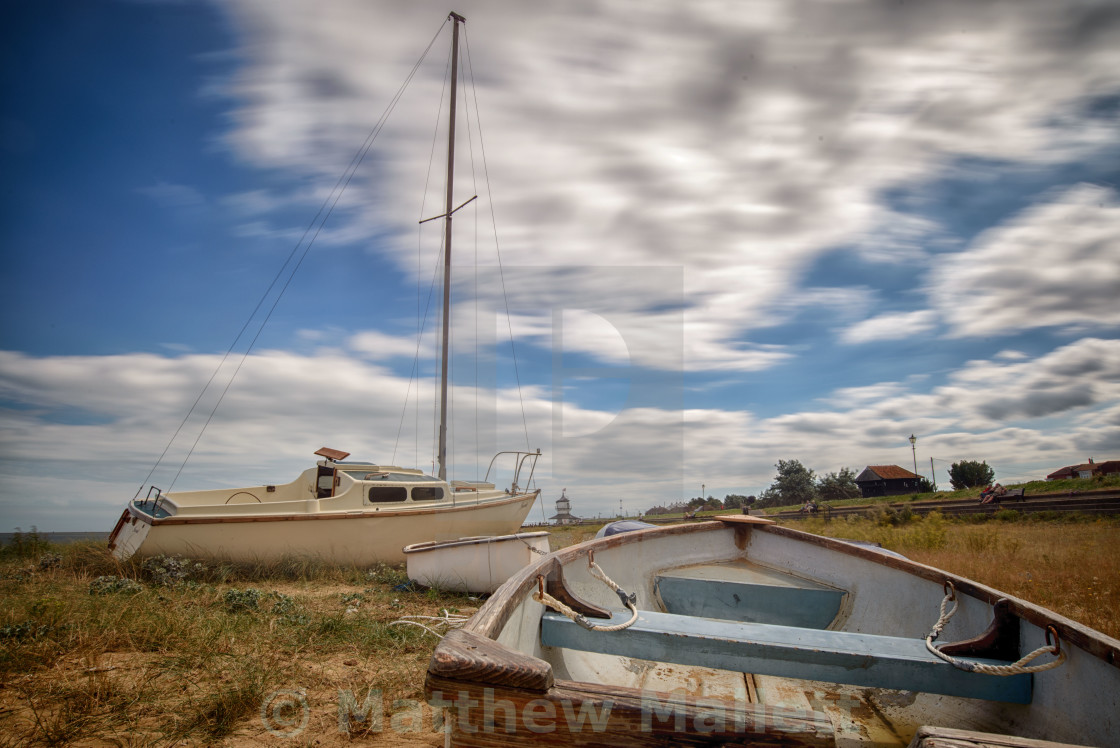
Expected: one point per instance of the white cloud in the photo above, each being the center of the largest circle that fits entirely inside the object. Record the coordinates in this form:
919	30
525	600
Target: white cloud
1054	265
673	172
740	146
890	327
379	346
95	425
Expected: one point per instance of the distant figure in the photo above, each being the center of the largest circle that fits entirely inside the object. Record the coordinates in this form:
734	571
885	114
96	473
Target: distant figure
991	493
810	507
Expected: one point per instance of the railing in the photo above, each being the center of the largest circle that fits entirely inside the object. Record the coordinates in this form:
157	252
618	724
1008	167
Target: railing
157	503
519	463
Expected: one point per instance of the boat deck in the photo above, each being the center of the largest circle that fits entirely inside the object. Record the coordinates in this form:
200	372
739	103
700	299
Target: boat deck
152	508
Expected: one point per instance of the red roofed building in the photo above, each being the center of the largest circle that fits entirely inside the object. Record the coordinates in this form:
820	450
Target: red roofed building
886	480
1069	471
1088	469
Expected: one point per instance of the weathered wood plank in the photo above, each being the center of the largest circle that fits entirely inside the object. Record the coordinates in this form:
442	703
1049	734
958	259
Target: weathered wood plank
580	714
743	519
466	656
787	651
947	737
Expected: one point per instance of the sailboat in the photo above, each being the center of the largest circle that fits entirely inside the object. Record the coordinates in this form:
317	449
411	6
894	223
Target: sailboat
339	511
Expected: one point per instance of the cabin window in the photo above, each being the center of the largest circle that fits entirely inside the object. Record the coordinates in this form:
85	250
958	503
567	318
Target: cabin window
387	493
427	493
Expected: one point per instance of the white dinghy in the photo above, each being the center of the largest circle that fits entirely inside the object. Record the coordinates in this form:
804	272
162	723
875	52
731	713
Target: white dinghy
741	632
478	565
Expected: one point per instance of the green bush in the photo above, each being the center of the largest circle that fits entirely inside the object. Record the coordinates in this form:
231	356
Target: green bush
243	600
26	544
167	571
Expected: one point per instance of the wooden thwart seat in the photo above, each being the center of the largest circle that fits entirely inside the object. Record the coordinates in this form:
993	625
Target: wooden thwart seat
743	591
787	651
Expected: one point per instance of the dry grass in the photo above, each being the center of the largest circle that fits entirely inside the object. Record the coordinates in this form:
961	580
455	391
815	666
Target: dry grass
97	653
1072	568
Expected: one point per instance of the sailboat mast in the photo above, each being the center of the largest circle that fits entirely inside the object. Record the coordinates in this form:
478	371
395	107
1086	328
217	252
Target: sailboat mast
456	19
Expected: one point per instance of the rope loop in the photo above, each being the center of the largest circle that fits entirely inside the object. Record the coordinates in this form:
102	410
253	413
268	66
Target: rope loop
1018	667
629	600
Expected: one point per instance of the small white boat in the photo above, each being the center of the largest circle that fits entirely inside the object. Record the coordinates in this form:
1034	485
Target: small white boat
741	632
479	564
340	512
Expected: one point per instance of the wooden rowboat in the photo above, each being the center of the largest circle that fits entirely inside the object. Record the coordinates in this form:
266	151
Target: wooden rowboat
748	633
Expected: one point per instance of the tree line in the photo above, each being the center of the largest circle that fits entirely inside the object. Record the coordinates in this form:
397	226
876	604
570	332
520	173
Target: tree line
797	484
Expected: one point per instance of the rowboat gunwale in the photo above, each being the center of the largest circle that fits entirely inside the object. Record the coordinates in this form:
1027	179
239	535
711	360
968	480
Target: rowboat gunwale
495	613
477	664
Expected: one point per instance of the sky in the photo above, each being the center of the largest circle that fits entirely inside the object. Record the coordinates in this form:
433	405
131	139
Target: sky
708	236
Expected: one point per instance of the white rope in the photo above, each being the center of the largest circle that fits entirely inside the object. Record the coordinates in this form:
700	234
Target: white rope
628	600
447	621
1018	667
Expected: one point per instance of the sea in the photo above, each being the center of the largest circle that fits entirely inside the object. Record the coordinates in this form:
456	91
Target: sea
59	537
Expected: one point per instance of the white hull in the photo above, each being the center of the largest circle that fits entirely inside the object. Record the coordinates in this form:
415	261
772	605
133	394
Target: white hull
474	564
341	539
342	513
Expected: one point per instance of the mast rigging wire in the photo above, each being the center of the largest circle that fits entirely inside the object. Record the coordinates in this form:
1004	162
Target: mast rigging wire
339	188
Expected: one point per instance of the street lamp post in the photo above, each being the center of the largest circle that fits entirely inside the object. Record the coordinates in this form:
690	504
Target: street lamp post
914	449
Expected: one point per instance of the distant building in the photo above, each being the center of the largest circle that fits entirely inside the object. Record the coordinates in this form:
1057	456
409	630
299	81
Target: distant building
564	514
1088	469
886	480
1070	471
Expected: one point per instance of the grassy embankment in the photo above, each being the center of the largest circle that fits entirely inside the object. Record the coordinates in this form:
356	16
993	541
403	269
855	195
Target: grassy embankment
1032	488
94	652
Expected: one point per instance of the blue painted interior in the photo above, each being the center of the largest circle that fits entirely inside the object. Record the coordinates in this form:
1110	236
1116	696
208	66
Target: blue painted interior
786	651
149	507
750	593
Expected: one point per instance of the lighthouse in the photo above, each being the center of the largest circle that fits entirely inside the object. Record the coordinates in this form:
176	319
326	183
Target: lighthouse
563	514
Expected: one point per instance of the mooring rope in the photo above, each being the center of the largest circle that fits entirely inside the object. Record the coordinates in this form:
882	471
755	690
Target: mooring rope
629	601
1018	667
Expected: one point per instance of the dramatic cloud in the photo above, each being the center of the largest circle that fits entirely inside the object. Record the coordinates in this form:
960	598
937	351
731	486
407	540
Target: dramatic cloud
1055	265
729	235
738	146
93	422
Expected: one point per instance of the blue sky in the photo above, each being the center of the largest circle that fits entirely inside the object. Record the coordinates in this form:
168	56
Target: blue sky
728	236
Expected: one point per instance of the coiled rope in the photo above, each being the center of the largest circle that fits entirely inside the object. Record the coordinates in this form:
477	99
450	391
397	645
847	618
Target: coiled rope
629	600
447	621
1018	667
